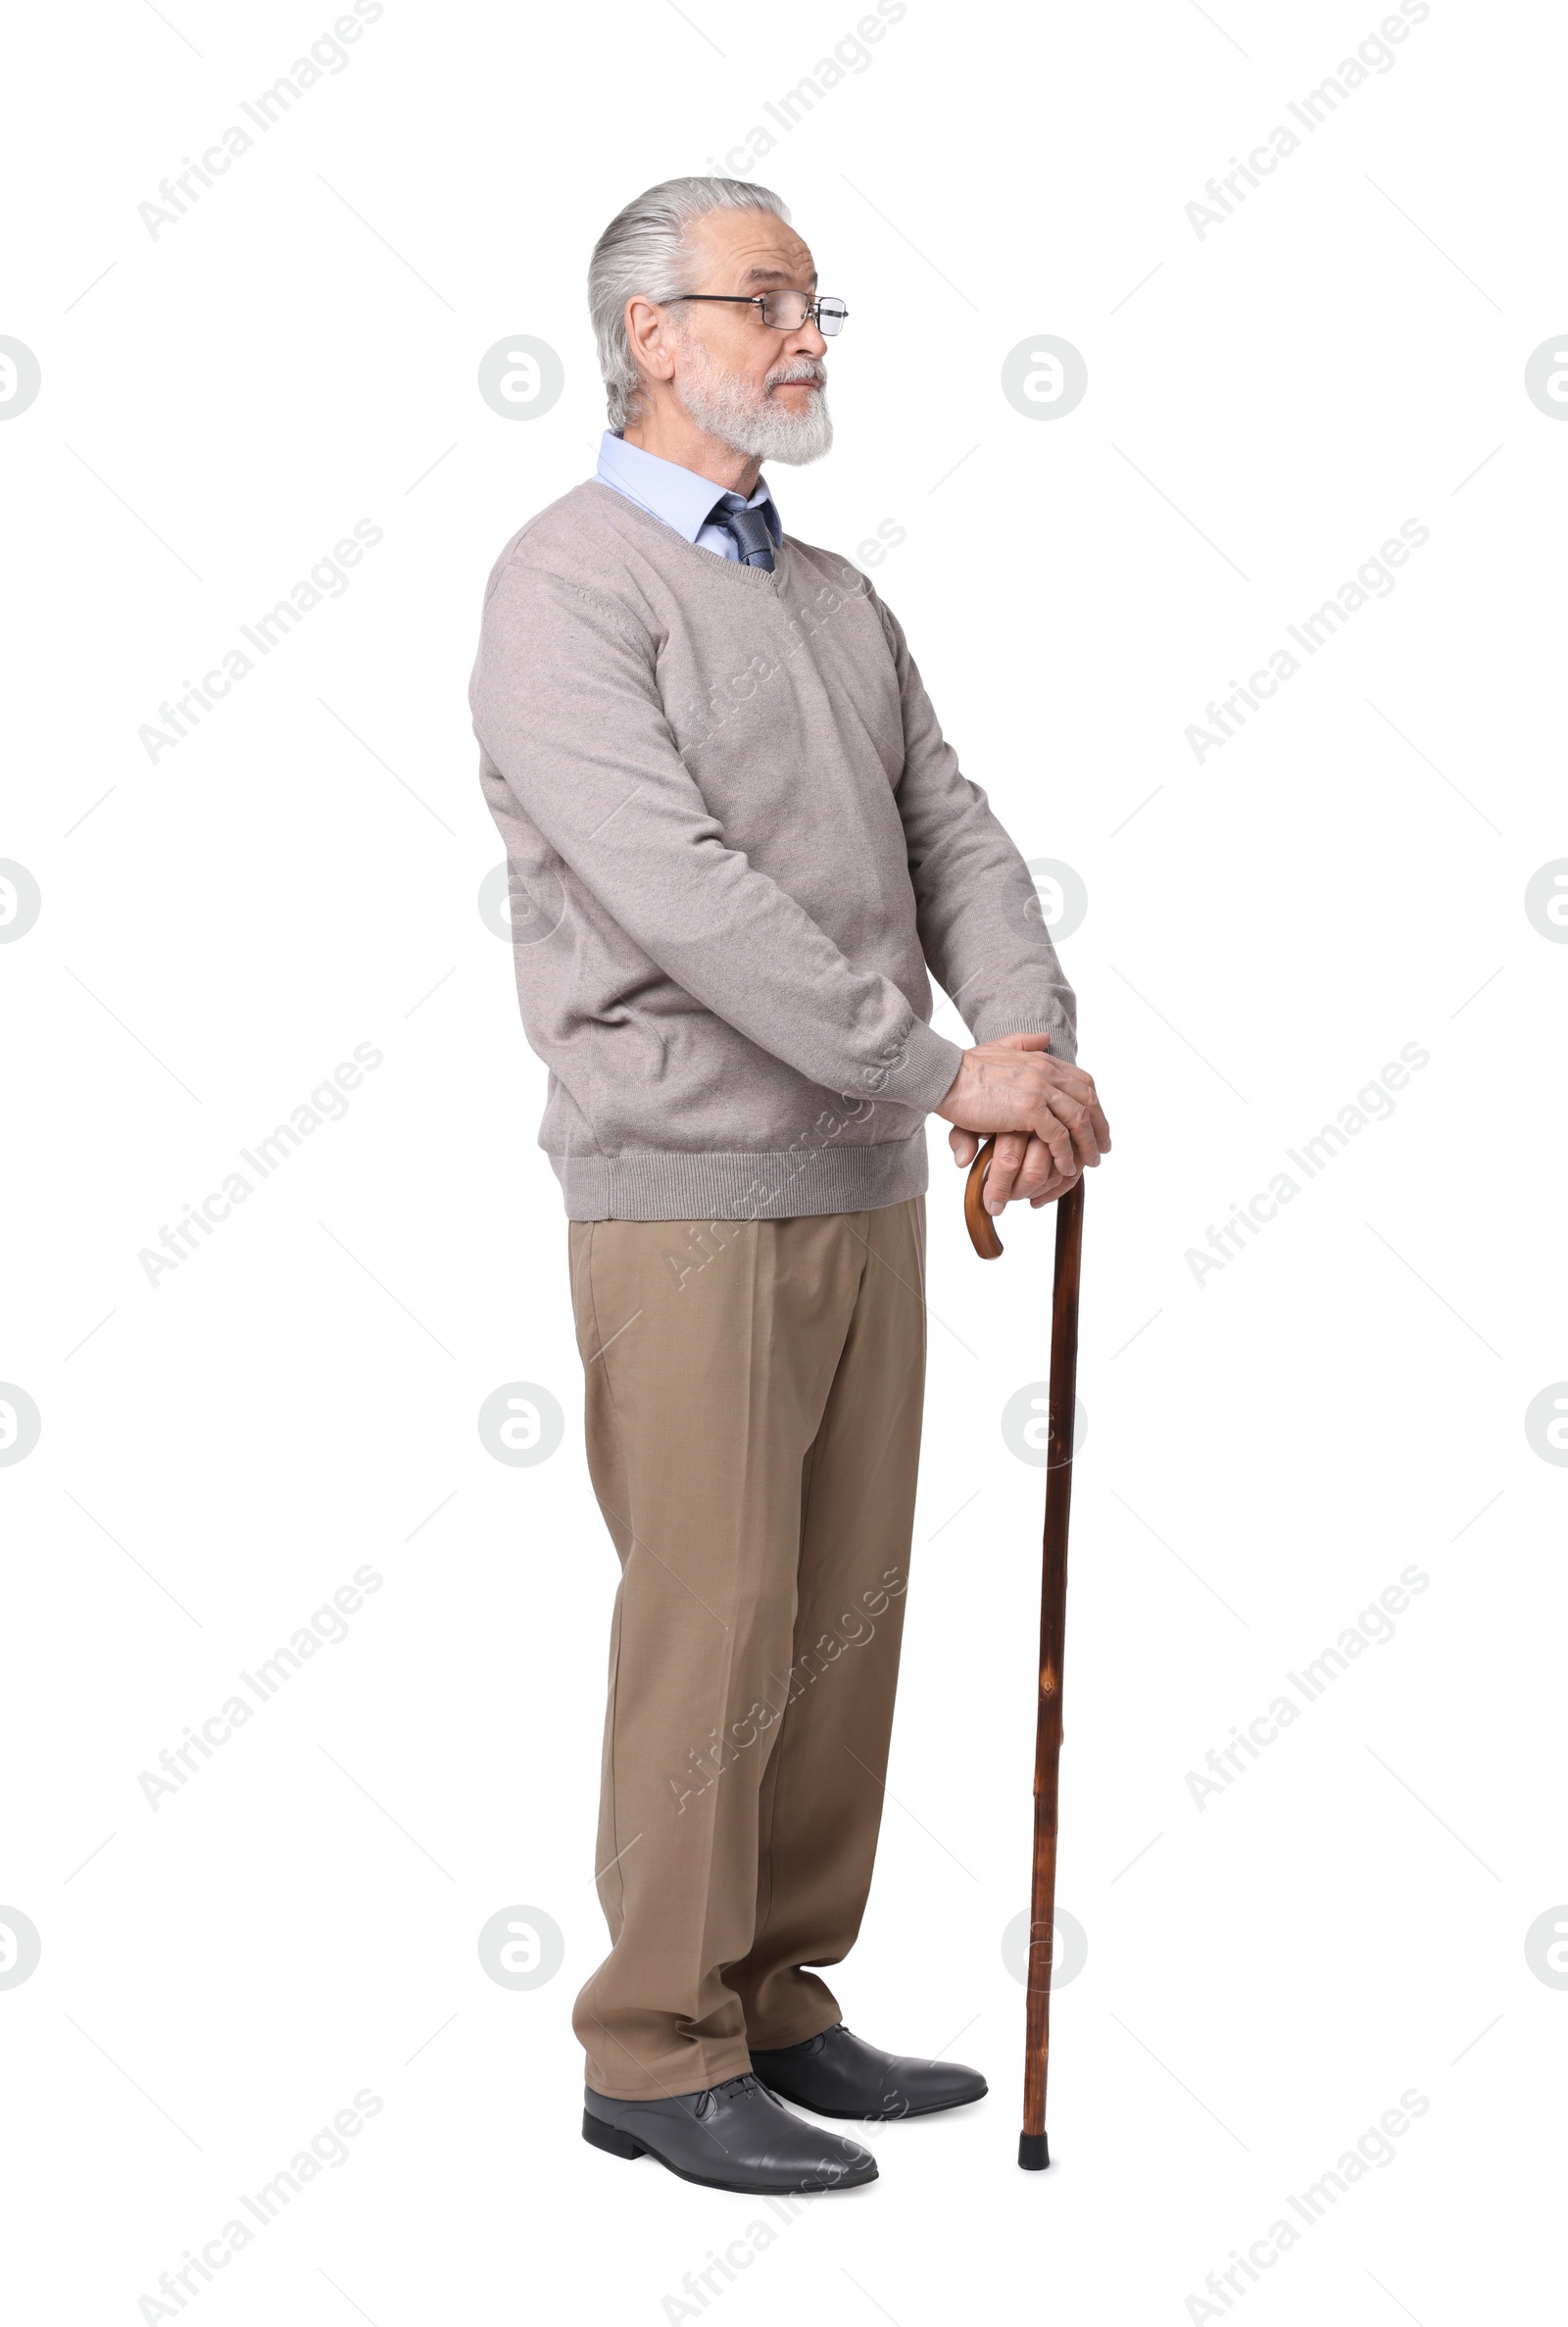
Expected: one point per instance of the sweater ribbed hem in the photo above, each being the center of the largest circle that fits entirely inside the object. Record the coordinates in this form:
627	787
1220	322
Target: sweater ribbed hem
793	1183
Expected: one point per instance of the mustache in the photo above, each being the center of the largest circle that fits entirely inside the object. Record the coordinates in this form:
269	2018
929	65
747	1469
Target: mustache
805	368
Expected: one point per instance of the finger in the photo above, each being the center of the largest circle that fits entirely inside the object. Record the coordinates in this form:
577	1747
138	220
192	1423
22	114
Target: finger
1056	1138
1036	1172
1023	1042
1059	1184
1057	1189
1082	1086
965	1146
1006	1158
1077	1120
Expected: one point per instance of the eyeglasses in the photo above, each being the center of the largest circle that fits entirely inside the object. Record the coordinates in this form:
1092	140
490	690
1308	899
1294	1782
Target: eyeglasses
781	310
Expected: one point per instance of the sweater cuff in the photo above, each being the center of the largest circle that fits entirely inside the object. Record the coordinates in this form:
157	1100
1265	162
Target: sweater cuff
928	1070
1063	1038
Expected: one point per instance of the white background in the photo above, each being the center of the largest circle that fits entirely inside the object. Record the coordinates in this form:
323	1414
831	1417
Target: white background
1267	1973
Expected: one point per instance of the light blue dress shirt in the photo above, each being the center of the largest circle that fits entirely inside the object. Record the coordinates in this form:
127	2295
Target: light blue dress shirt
679	497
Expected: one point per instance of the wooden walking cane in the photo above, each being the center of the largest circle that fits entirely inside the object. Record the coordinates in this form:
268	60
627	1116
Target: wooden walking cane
1033	2150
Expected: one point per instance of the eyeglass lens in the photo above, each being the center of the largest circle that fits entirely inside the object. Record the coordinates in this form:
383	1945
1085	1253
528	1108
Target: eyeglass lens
786	310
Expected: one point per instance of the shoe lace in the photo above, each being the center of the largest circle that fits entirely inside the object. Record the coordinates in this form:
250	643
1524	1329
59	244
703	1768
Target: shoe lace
734	2085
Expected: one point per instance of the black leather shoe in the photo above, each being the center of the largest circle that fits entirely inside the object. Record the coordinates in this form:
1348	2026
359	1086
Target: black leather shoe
735	2136
840	2075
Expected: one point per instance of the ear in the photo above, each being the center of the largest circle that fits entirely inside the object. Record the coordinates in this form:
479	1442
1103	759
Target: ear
649	333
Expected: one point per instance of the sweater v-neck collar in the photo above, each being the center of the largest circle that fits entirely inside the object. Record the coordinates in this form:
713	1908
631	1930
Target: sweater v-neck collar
750	577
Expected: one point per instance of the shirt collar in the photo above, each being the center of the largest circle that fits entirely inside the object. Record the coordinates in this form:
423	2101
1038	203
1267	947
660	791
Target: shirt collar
679	497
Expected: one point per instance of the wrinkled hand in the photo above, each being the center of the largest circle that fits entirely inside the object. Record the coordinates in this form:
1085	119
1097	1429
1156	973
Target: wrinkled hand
1046	1117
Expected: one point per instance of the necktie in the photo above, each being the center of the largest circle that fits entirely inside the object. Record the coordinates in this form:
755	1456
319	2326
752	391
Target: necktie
748	528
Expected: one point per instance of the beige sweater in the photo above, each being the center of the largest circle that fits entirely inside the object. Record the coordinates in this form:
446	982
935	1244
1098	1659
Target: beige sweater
736	839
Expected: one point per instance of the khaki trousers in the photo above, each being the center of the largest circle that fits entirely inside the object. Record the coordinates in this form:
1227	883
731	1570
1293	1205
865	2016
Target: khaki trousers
754	1403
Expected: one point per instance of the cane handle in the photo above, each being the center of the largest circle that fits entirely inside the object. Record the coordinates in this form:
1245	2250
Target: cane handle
982	1228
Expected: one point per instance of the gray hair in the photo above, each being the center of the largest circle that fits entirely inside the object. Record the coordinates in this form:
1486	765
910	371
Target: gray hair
639	255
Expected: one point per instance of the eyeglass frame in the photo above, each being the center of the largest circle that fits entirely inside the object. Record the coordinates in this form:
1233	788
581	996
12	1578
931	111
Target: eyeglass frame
759	299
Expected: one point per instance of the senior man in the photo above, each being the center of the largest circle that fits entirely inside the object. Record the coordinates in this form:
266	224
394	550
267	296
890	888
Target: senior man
736	838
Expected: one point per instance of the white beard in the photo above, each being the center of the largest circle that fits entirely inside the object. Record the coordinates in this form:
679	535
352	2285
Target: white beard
749	421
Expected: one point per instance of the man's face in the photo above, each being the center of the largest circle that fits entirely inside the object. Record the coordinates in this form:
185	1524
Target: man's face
759	390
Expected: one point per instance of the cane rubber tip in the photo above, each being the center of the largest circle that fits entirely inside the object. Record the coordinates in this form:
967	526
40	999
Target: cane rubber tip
1034	2155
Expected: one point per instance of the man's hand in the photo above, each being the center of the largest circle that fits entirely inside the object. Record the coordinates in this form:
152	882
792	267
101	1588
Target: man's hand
1046	1115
